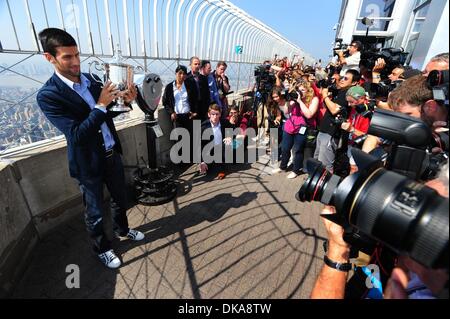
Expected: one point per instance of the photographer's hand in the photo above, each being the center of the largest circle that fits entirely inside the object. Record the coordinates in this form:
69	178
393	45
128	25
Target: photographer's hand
347	126
331	282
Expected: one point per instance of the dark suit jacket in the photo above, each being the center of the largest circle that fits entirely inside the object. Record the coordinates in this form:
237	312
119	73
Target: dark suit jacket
224	124
203	95
66	110
168	99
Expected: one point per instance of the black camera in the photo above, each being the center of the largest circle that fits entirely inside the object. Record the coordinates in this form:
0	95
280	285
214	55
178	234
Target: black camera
392	57
366	110
292	95
265	80
411	144
438	82
383	206
381	90
340	46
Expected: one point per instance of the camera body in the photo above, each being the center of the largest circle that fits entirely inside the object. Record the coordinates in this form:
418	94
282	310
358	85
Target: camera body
438	82
381	90
340	46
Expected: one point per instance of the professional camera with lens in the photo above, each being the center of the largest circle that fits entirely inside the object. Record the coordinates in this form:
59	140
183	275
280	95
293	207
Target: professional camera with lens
265	80
412	142
366	110
381	90
330	85
292	95
384	207
438	82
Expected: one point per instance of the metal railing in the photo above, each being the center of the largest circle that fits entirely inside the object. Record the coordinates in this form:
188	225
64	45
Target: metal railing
156	34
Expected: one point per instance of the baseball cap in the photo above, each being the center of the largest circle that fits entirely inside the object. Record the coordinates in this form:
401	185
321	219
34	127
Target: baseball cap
356	92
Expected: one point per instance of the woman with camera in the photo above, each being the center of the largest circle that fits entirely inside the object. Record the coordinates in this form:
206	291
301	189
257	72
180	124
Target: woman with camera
309	105
301	106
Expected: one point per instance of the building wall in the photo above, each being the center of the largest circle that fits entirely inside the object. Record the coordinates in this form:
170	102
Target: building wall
433	37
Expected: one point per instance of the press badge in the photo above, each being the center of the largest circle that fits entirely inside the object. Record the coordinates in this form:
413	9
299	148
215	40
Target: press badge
302	130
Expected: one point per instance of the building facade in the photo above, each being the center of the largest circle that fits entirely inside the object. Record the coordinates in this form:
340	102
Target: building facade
420	27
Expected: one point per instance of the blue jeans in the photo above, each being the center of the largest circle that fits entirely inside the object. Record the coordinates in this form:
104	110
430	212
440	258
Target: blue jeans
92	192
297	143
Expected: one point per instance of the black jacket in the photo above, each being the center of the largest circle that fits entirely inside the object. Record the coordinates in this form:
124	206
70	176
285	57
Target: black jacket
168	99
224	124
204	97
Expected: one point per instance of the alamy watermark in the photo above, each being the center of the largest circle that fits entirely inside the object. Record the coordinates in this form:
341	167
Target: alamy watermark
73	279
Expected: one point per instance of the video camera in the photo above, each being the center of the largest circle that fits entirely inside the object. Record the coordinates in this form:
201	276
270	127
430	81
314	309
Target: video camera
377	205
438	82
340	46
265	80
393	57
412	142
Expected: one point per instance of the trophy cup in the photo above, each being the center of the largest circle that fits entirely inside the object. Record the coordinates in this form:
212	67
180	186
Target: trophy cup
120	74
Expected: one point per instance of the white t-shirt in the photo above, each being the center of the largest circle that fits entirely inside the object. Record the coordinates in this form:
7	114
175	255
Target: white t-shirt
352	63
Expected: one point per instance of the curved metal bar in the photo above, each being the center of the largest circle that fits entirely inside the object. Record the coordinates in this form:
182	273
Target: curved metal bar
167	44
204	18
223	27
177	28
188	15
197	23
210	34
220	23
228	34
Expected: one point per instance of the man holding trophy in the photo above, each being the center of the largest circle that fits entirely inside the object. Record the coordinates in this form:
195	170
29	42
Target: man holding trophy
79	106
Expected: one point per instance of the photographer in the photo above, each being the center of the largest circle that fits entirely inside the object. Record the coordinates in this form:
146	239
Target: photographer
357	123
438	62
302	106
415	98
223	85
352	61
330	127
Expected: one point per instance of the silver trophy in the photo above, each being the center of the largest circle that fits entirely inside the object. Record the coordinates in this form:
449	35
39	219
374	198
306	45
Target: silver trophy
120	74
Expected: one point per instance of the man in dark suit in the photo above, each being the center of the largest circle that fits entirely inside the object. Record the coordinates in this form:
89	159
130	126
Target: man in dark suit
78	106
201	84
214	148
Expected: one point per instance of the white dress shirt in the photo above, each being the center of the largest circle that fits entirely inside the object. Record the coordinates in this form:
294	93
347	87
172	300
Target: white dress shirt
181	99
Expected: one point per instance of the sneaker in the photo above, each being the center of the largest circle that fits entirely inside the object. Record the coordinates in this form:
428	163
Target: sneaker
133	235
110	260
276	170
221	175
292	175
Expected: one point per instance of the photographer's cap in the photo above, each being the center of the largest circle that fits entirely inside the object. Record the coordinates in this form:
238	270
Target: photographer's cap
356	92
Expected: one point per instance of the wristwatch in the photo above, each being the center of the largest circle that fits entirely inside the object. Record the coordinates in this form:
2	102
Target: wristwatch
345	267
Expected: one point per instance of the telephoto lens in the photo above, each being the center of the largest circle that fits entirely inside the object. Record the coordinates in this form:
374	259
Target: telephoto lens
408	217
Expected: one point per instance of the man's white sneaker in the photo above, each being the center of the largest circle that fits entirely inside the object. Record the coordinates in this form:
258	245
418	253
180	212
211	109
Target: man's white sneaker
110	260
292	175
133	235
276	170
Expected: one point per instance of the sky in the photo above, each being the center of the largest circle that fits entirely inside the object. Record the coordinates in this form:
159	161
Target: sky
306	23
